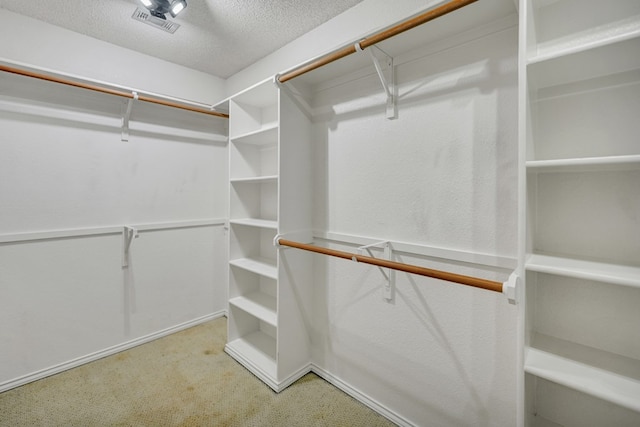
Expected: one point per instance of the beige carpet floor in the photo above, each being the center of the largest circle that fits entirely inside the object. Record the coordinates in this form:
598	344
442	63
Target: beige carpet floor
184	379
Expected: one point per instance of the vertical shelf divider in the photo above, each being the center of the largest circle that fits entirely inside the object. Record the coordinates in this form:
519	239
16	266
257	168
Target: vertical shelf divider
270	193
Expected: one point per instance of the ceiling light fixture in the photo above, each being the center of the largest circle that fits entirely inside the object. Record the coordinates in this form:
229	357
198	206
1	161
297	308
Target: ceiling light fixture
177	7
159	8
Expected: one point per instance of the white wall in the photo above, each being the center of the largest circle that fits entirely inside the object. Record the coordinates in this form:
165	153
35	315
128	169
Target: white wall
64	167
39	44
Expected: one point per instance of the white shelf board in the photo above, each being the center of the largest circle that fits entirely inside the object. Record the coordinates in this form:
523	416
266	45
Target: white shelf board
261	95
259	305
255	179
258	350
256	222
222	106
603	63
603	35
267	135
585	164
262	266
589	270
603	384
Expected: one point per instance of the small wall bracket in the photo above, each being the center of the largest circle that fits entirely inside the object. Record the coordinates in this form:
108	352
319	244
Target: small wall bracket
388	82
126	116
128	234
388	290
305	236
510	288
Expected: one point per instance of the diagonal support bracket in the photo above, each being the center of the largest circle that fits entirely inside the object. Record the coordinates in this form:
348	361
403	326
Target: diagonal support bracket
126	116
128	234
388	80
389	274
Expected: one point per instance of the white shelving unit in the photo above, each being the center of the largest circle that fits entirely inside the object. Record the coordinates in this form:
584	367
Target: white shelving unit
270	194
580	100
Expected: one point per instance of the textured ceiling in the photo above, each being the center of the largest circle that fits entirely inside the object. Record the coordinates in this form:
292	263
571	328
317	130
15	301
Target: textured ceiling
219	37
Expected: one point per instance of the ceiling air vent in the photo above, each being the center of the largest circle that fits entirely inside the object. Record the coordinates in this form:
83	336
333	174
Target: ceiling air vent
144	16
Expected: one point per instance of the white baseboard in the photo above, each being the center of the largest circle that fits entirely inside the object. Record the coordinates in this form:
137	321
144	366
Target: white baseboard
361	397
25	379
294	377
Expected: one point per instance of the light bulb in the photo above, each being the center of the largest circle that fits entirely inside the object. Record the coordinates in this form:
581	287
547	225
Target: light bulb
177	7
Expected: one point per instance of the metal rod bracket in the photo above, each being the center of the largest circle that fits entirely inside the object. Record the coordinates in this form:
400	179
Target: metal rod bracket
510	288
389	287
388	82
302	235
126	116
128	234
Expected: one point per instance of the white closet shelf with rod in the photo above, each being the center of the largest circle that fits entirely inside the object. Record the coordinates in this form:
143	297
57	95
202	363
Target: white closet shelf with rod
11	238
373	39
491	285
111	90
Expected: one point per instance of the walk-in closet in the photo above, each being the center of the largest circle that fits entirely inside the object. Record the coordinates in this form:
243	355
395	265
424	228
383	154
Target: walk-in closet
431	206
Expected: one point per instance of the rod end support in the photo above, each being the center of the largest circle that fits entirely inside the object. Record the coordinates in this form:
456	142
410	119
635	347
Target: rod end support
510	288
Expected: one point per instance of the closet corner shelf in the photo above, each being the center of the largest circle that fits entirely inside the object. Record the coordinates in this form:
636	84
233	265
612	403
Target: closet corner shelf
257	350
589	270
262	266
260	95
255	180
266	135
256	222
585	164
259	305
606	385
604	35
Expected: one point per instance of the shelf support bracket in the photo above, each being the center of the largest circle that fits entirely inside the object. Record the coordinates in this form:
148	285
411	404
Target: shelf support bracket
126	116
389	288
128	234
388	84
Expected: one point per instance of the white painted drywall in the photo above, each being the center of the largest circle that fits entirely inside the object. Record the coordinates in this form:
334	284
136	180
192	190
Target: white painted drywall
64	166
66	299
442	174
39	44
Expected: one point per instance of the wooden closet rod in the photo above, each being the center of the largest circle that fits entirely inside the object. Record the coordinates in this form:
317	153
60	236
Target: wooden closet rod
377	38
414	269
116	92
